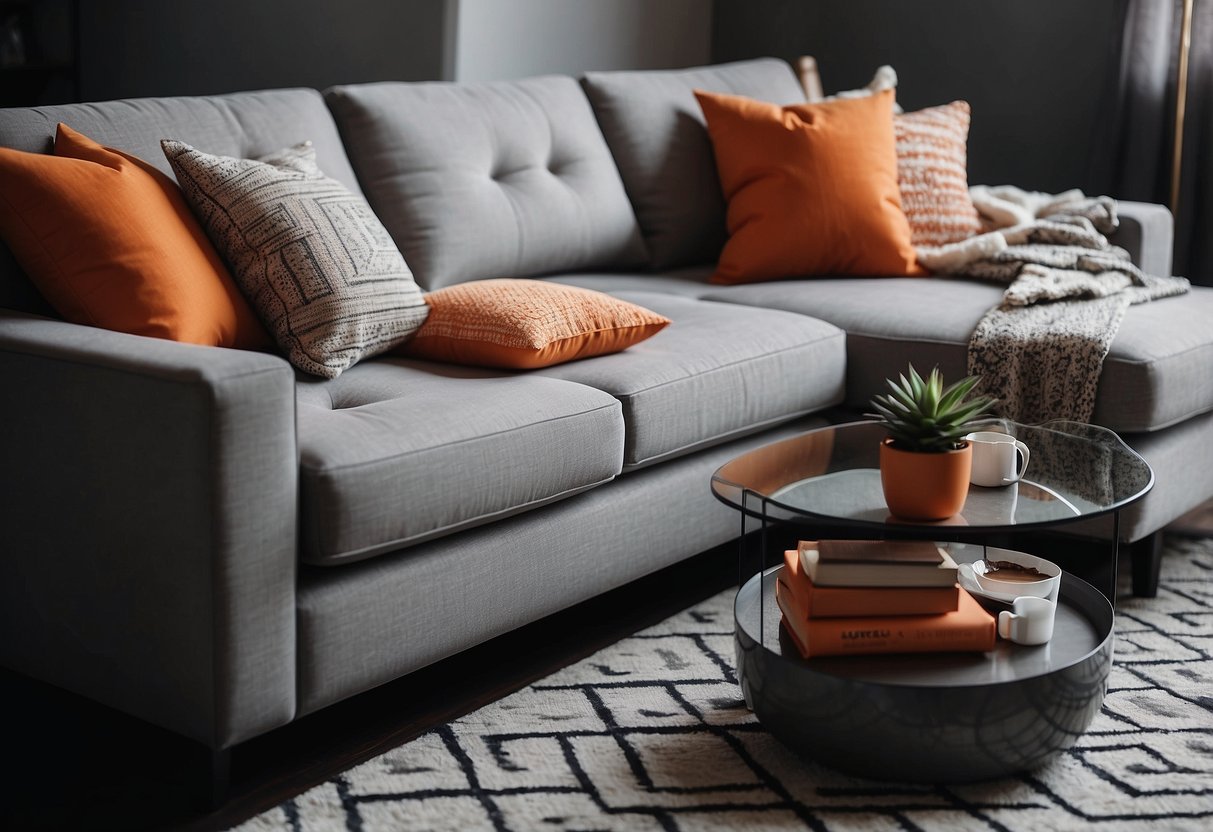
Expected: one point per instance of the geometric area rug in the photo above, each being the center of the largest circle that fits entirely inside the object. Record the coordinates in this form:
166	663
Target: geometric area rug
651	733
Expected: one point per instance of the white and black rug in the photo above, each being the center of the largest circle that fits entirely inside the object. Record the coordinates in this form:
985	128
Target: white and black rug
651	734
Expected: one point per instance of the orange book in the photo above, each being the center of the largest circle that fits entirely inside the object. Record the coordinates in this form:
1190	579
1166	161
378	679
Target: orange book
851	601
968	629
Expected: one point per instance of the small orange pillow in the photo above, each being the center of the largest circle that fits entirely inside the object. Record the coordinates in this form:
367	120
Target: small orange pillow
110	242
811	188
524	324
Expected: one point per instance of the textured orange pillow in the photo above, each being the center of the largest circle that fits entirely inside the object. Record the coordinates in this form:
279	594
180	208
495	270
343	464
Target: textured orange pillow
523	324
932	172
811	188
110	242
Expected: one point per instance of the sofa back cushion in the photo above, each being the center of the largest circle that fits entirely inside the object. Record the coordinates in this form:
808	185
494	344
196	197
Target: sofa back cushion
244	125
504	179
656	132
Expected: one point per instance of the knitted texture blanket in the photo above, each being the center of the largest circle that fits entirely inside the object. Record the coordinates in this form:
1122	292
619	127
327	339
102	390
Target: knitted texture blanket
1041	350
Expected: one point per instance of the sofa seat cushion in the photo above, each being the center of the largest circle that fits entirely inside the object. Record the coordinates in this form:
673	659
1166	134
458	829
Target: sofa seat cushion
1157	373
395	452
715	373
504	179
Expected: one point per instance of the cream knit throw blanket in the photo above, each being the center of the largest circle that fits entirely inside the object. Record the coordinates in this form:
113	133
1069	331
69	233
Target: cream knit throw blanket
1042	349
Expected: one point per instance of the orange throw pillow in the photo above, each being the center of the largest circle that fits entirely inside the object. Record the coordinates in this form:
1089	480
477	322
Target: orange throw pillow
524	324
110	242
932	171
811	188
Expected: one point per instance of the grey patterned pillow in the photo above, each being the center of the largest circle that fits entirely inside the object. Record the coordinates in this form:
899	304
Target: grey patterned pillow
316	264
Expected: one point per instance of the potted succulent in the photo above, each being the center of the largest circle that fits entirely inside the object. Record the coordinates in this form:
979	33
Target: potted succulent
925	461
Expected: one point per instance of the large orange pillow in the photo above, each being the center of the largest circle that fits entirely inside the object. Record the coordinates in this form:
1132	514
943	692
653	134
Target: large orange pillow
110	242
524	324
811	188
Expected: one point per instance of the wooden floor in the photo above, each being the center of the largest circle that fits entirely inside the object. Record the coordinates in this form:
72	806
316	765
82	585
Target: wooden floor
1198	522
75	765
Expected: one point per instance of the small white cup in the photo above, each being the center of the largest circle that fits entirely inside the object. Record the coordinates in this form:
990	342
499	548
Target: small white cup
994	458
1029	621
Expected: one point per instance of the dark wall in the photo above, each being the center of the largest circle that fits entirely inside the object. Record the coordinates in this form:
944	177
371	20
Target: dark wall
194	47
1036	72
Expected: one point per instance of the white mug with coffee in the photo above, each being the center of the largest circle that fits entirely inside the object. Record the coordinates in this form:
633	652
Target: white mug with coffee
1029	621
1005	574
996	458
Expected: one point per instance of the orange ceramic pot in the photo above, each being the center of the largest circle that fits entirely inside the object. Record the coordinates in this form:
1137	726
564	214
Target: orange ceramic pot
925	486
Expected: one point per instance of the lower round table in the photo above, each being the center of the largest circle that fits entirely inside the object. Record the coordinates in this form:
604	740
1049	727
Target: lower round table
928	717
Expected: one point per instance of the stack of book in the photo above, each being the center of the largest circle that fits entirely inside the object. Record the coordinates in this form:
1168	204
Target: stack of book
851	597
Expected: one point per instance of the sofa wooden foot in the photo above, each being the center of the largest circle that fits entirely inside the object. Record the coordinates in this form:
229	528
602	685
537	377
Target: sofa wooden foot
1146	558
214	778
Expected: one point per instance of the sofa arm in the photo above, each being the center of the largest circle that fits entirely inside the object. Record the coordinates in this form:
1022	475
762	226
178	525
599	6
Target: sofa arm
147	520
1147	232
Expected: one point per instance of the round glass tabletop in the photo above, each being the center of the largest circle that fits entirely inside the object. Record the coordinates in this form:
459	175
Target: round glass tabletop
832	475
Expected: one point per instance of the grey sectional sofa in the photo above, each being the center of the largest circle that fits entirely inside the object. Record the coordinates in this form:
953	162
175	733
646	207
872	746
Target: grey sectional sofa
217	544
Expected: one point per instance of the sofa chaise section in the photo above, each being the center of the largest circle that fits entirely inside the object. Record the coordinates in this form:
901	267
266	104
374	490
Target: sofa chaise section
1157	383
1157	377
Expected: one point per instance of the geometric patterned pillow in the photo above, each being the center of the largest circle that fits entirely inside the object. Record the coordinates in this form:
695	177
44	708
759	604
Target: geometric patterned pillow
524	324
932	174
313	260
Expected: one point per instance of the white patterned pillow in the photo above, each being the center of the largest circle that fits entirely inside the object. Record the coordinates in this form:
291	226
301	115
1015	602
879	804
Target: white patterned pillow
316	264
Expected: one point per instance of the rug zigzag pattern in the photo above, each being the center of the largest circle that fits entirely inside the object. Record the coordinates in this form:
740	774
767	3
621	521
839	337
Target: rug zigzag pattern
651	734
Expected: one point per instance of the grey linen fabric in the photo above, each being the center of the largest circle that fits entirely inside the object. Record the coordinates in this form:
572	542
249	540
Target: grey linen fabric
1155	375
148	503
717	372
396	451
1041	349
314	261
1147	232
370	622
658	137
690	282
506	179
244	125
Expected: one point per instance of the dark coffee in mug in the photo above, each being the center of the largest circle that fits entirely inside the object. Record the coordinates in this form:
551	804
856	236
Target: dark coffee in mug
1007	570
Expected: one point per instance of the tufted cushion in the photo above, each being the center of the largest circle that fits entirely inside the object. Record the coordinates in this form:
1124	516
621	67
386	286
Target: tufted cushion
656	132
395	452
508	179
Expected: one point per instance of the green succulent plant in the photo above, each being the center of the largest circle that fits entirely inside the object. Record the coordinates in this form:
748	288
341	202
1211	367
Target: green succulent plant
923	415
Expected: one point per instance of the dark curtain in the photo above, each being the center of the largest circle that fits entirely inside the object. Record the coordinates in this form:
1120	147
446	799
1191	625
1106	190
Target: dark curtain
1133	159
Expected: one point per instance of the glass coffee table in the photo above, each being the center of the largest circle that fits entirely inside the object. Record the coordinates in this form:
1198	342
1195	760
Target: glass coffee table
935	717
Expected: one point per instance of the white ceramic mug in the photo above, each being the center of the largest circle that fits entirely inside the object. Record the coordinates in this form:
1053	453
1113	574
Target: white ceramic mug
985	577
995	458
1029	621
